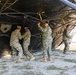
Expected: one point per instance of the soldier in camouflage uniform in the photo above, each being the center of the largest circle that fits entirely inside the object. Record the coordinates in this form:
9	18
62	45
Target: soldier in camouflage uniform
46	40
26	42
15	45
66	39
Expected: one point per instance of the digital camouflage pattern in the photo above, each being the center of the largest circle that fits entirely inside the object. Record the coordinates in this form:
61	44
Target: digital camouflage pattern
26	42
14	43
46	40
66	40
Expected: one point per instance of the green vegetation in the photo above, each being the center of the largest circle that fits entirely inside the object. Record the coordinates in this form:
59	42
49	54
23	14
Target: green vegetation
3	67
70	60
27	66
2	72
52	67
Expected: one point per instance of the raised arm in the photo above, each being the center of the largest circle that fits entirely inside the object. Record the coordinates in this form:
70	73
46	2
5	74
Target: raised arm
41	28
20	37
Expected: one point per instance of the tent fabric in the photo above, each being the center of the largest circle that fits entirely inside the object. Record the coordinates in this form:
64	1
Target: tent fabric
5	28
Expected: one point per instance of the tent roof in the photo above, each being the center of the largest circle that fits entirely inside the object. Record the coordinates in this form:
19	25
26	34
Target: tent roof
31	11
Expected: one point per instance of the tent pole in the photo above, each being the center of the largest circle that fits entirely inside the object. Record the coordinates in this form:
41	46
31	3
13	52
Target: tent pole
70	4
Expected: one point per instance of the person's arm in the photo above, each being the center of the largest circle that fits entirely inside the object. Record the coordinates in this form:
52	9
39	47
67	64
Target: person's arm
41	28
67	34
23	35
27	35
20	37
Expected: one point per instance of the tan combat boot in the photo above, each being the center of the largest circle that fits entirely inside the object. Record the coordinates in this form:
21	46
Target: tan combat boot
48	59
14	58
32	58
19	61
44	59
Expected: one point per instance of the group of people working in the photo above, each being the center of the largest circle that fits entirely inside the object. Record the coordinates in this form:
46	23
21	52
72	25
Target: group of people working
46	42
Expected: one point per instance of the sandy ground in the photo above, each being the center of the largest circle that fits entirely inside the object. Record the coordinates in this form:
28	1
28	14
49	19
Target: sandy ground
61	64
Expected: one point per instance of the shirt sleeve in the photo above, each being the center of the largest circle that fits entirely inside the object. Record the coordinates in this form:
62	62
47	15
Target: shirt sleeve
23	35
67	34
42	29
20	37
26	35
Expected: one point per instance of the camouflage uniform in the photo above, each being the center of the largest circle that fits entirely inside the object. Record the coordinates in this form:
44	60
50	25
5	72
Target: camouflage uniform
15	45
46	40
66	40
26	42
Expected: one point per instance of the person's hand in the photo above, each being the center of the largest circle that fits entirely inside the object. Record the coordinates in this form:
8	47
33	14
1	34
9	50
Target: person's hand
38	24
70	37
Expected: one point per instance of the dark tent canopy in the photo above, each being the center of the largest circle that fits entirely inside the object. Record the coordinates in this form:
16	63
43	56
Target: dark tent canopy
29	12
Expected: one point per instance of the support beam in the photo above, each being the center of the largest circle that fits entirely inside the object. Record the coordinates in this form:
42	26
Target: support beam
8	22
4	5
70	4
9	6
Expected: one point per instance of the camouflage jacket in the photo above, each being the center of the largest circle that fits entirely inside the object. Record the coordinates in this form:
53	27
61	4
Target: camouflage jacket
66	35
15	36
46	33
26	37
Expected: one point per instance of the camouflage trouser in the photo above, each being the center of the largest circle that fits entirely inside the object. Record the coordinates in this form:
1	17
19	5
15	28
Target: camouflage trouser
26	52
47	48
66	43
17	47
